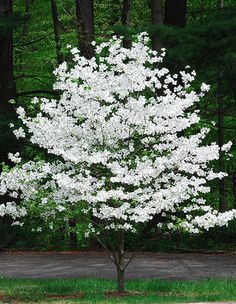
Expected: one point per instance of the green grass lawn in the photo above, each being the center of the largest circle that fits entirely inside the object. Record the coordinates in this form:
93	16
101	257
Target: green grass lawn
86	291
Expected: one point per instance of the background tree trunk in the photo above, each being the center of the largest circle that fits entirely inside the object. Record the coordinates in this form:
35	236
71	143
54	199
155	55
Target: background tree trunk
57	31
85	22
175	12
7	83
126	13
73	243
7	92
156	11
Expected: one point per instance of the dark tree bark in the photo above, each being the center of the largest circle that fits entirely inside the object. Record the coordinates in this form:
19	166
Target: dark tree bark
57	31
85	22
156	11
175	13
120	265
126	13
7	84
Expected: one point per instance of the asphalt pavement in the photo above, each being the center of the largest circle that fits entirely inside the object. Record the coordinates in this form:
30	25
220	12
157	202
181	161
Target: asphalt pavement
39	265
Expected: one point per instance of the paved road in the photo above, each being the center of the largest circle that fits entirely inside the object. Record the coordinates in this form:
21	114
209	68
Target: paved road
93	264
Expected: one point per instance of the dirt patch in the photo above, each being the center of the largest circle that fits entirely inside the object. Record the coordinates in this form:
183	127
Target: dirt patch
2	296
117	294
77	295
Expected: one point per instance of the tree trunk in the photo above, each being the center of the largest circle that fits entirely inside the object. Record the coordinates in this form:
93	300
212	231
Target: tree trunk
57	31
7	83
156	11
7	90
120	267
221	136
85	22
120	280
127	42
175	13
8	142
73	236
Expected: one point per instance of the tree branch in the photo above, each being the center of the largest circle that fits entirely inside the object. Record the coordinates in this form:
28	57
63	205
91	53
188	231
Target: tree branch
65	10
113	251
107	251
32	76
132	257
30	42
207	10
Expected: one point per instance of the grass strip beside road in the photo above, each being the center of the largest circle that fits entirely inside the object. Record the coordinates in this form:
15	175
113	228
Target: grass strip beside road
88	291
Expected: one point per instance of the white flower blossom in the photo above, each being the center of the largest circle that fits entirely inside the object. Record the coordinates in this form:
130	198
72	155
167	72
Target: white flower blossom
227	146
205	87
122	155
19	133
15	158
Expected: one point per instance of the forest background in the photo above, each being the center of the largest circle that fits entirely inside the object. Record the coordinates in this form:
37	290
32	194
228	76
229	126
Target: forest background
34	35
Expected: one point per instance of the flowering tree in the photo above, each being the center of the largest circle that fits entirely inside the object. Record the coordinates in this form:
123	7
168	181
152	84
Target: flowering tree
119	150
